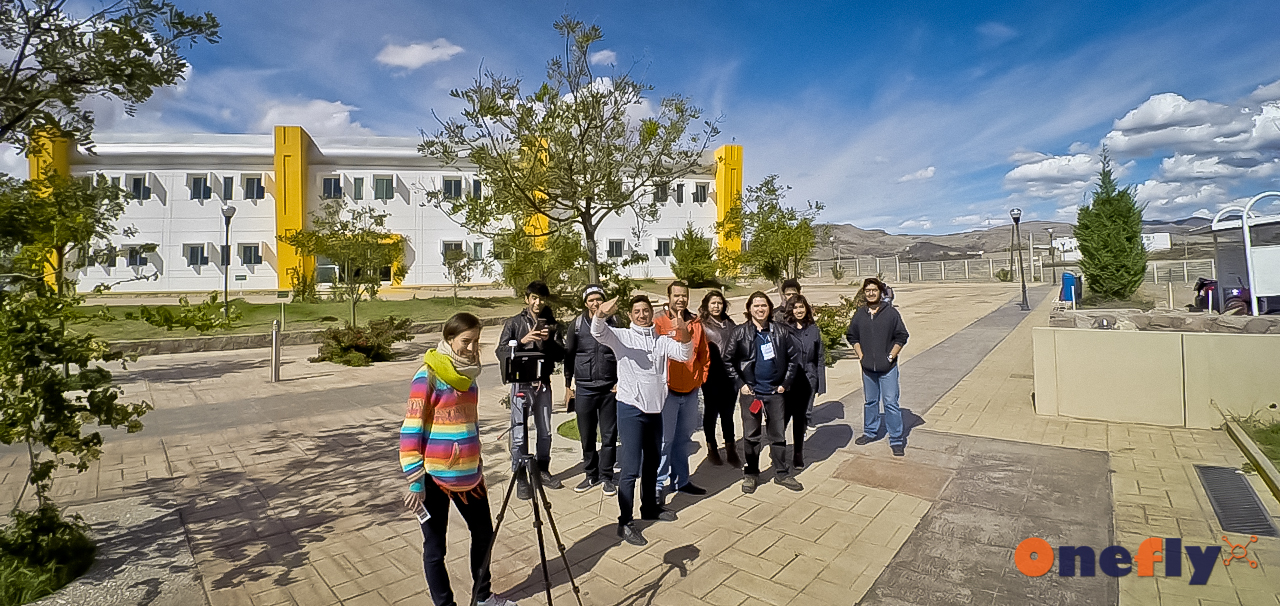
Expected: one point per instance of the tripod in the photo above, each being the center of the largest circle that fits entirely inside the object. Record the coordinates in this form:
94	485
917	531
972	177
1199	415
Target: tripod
526	465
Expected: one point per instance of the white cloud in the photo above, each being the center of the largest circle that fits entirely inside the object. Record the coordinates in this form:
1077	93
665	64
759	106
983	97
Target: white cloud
976	221
995	33
1266	92
320	118
1170	121
1080	147
1175	200
12	162
1186	167
921	223
603	57
1045	176
924	173
418	54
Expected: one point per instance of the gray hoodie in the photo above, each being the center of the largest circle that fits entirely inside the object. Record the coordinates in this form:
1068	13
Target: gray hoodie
642	362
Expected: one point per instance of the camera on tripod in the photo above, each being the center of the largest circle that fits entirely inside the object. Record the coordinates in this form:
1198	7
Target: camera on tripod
522	366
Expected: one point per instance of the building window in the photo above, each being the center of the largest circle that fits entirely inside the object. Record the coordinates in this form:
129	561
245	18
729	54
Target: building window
453	188
357	188
384	188
253	188
200	189
138	189
115	181
109	255
228	188
475	188
700	193
664	248
448	247
477	250
660	193
250	254
615	249
137	258
197	256
680	193
332	188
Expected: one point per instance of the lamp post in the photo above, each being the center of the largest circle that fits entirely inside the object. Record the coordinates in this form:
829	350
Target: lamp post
1017	216
834	251
228	211
1053	271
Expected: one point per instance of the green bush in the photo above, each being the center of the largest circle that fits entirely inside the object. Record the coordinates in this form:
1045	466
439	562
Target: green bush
833	321
40	551
204	317
363	345
1004	275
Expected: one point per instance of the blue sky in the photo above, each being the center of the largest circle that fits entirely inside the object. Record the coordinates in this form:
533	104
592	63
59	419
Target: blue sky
919	118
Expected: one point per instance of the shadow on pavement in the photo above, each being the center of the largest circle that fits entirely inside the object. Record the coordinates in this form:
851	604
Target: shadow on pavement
190	372
582	555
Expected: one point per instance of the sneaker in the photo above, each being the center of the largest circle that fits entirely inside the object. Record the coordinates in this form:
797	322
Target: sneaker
629	533
863	440
733	459
788	482
713	455
496	600
692	489
548	481
749	484
587	484
666	515
610	489
899	450
524	491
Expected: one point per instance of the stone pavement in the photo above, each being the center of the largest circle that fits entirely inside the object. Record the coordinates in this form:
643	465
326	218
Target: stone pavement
289	492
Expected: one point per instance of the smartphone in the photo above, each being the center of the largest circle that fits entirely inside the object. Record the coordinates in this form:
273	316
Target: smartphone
422	514
541	324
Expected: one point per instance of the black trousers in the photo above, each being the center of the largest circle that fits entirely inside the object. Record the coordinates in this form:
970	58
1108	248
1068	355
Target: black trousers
797	410
475	510
718	404
767	426
597	407
641	448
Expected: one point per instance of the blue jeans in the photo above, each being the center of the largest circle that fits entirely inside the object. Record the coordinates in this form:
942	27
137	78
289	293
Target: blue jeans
882	387
641	435
679	420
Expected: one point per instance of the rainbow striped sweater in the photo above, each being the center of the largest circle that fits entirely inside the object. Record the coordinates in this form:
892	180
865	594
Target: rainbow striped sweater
440	437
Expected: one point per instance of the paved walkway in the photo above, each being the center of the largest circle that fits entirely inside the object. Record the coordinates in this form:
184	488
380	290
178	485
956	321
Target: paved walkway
289	494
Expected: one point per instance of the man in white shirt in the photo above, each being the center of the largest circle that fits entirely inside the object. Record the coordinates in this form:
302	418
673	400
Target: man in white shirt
642	390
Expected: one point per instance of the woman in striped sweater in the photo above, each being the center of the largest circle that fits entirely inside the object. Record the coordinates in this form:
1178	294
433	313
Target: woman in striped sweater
440	452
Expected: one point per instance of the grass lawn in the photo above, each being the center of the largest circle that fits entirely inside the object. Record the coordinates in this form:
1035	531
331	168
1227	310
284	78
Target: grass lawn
256	318
1265	435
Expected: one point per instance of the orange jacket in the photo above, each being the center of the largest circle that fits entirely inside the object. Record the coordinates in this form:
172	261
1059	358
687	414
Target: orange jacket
685	377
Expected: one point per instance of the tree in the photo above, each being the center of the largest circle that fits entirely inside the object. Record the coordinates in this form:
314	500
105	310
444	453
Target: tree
1109	231
571	153
779	239
56	60
358	241
695	263
459	267
559	260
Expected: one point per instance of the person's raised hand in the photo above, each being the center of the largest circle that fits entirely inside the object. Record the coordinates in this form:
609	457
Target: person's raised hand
682	329
608	308
534	335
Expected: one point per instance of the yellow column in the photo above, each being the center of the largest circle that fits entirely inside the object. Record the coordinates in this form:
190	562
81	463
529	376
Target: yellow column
292	177
538	224
728	191
49	151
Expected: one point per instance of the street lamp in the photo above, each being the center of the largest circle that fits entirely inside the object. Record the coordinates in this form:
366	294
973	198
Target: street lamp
1017	216
835	251
1053	271
228	211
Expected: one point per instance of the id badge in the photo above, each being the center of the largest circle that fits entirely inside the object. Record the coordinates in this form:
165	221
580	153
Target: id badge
767	350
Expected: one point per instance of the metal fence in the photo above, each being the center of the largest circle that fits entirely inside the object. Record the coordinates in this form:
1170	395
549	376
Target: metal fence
985	270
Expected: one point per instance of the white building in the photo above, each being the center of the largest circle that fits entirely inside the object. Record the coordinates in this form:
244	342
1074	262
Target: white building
180	185
1069	248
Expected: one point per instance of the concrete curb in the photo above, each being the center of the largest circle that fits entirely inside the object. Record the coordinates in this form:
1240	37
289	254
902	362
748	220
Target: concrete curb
151	347
1260	462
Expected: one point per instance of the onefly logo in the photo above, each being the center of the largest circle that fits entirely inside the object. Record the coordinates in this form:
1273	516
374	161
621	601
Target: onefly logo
1034	557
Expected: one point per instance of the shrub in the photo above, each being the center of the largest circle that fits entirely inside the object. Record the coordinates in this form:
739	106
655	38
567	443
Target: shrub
833	321
837	272
362	345
305	287
204	317
40	551
1004	275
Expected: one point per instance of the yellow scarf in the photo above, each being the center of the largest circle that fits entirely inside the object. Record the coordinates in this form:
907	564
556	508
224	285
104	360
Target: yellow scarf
443	364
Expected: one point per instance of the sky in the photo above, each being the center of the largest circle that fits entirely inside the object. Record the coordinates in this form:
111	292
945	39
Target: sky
922	117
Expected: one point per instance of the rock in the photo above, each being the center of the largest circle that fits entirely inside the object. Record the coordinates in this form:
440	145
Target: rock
1141	321
1258	326
1165	322
1228	324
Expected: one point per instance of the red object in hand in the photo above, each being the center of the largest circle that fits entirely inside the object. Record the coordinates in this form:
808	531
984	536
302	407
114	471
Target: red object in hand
756	406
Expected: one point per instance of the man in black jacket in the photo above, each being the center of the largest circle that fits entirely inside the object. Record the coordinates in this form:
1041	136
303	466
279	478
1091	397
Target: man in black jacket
878	335
595	369
533	329
762	361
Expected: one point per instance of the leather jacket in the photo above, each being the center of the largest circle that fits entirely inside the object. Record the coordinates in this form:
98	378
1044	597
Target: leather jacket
739	354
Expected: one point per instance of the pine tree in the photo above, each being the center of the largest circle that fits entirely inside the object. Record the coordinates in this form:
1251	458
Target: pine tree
1109	232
